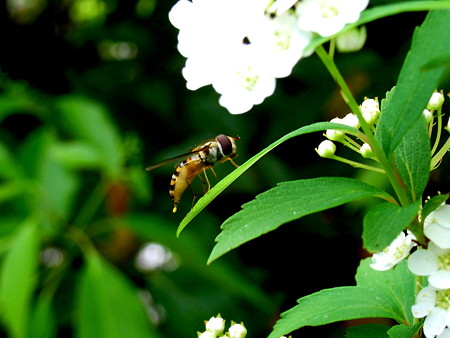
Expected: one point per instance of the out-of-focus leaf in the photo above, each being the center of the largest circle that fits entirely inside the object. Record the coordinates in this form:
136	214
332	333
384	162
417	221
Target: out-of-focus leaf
383	223
402	331
287	202
77	155
43	323
18	279
415	83
88	121
108	304
55	185
9	168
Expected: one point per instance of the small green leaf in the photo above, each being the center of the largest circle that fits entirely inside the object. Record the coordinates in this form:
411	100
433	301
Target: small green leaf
385	294
76	155
286	202
412	158
18	279
219	187
43	323
108	304
383	223
402	331
416	82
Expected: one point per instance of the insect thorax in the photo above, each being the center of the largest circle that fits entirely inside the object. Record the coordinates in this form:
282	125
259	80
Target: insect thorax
211	154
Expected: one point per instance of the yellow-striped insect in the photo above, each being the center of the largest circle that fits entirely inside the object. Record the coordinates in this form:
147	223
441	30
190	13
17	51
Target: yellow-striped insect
220	149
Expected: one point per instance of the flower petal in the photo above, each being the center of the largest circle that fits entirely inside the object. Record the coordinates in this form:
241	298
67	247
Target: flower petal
423	263
440	279
435	322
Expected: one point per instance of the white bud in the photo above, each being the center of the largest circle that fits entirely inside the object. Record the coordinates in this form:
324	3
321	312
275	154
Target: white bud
436	101
206	334
352	40
335	135
237	331
428	115
370	110
351	120
326	149
366	150
448	125
215	325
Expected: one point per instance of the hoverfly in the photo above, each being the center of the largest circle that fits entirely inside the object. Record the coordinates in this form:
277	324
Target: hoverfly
220	149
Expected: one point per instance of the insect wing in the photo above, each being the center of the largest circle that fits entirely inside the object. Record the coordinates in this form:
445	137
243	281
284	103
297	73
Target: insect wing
159	164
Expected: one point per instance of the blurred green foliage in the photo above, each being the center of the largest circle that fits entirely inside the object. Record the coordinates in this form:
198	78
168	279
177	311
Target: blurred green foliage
91	94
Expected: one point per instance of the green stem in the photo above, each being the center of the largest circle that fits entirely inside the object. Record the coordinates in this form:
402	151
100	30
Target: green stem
350	100
357	164
438	133
440	154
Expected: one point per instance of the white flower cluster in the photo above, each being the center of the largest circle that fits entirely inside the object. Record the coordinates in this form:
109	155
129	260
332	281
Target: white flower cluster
370	111
216	325
433	301
240	47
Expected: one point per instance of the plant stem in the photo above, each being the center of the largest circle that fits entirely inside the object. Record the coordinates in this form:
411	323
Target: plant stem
350	100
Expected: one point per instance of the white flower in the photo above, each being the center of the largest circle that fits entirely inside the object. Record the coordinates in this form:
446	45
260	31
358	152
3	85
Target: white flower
433	262
326	149
397	251
445	333
370	110
237	331
328	17
352	40
279	43
281	6
436	101
366	150
243	81
215	325
437	226
435	305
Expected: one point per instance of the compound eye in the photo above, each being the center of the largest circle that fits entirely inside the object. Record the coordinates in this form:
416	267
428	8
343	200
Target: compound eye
225	144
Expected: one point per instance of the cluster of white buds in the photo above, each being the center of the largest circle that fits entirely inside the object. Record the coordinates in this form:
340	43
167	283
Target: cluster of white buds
370	111
215	326
434	104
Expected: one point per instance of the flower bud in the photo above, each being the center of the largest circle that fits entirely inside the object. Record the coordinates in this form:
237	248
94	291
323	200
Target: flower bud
428	115
352	40
436	101
237	331
351	120
326	149
370	110
206	334
335	135
366	150
215	325
448	125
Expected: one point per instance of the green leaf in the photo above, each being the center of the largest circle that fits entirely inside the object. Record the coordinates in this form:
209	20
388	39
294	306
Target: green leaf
385	294
286	202
383	223
18	279
416	82
90	122
219	187
402	331
367	330
108	304
76	155
412	158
